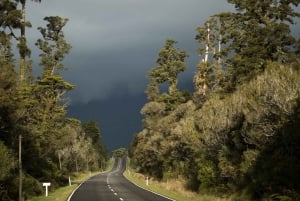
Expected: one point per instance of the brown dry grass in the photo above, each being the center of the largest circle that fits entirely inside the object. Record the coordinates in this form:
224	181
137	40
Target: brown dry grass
174	188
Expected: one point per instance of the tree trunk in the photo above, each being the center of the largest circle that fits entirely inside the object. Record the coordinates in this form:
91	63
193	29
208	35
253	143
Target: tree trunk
59	160
207	45
21	49
219	49
76	164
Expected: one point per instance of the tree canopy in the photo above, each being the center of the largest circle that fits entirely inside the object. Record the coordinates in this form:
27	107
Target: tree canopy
38	142
237	134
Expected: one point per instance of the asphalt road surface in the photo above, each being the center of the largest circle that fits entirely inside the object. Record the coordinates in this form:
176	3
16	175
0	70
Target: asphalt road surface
113	186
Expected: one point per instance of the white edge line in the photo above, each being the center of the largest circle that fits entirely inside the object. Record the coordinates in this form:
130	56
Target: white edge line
70	196
148	189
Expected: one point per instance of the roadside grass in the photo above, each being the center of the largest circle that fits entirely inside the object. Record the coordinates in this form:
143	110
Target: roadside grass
62	193
173	189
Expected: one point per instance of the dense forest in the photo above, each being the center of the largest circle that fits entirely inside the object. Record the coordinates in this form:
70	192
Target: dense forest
38	142
238	132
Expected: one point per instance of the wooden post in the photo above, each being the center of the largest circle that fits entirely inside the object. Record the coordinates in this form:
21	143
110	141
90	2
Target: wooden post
59	160
20	168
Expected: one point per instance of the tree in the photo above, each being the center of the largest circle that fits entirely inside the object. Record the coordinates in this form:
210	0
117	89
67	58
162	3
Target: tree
51	88
48	111
170	63
119	153
7	89
13	18
147	151
209	71
257	33
92	131
33	123
53	45
248	106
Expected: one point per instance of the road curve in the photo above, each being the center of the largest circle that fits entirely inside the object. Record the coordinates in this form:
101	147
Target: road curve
113	186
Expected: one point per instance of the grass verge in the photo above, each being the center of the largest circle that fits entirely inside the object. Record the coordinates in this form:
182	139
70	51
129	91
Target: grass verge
173	189
62	193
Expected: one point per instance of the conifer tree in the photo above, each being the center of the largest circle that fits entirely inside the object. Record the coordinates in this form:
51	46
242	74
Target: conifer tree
257	33
92	131
209	71
53	45
7	89
12	20
51	87
50	109
170	62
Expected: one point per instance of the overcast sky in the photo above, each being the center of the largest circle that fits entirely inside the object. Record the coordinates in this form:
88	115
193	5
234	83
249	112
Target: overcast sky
115	42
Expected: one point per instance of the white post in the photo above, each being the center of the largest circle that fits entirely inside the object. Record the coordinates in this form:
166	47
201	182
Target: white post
147	181
46	185
70	183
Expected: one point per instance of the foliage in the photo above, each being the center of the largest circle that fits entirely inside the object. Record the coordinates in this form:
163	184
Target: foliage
53	45
92	132
119	153
209	72
7	161
33	111
239	132
256	33
170	62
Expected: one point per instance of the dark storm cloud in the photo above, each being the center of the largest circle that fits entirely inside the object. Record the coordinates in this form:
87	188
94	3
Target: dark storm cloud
115	42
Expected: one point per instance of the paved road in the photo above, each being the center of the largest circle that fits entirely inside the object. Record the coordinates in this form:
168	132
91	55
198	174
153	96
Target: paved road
112	186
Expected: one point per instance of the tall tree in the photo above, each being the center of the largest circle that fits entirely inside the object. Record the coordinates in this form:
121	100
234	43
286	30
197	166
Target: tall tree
256	33
7	89
209	71
11	18
50	107
51	87
92	131
170	62
53	45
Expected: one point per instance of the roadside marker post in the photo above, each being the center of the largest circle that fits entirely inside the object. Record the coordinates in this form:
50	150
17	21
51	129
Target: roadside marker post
70	183
47	184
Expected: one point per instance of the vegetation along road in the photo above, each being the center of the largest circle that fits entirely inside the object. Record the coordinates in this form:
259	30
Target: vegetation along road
113	186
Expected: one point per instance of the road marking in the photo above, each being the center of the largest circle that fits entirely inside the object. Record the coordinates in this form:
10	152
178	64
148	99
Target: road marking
115	194
121	199
69	198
